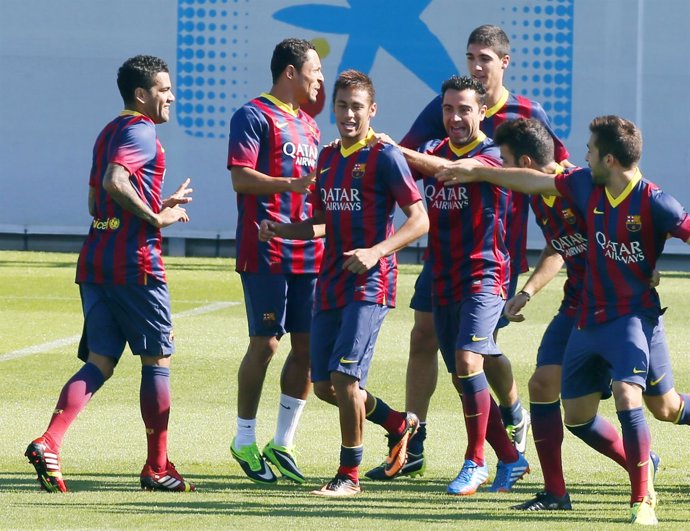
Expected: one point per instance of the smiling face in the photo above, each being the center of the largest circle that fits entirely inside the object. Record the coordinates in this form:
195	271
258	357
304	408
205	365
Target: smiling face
309	79
462	114
155	102
353	110
484	65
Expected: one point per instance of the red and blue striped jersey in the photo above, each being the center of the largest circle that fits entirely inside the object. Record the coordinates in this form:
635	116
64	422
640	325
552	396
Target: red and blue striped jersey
564	229
429	126
466	228
121	248
357	189
626	236
266	135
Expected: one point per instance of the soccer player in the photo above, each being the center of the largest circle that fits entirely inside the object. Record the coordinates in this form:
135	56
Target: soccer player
628	220
488	57
121	276
470	269
272	155
527	144
358	184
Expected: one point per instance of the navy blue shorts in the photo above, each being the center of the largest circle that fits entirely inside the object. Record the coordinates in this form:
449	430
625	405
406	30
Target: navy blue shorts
660	375
617	350
343	340
468	325
278	304
555	339
134	314
421	298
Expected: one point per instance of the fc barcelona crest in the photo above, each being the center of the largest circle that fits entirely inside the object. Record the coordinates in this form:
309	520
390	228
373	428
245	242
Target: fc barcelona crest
568	216
358	170
633	223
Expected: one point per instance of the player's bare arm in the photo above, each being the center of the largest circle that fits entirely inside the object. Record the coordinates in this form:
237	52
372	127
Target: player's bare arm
416	225
422	162
548	266
179	196
116	182
250	181
309	229
523	180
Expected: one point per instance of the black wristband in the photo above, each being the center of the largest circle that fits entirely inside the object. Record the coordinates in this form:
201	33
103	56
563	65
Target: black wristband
523	292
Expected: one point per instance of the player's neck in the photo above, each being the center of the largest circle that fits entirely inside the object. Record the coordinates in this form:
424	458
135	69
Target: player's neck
494	95
552	168
285	95
619	180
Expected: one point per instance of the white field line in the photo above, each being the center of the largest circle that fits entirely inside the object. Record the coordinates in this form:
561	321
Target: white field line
65	341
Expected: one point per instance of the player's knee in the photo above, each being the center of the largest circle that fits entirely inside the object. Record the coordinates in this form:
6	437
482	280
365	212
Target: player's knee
423	341
262	348
324	391
541	389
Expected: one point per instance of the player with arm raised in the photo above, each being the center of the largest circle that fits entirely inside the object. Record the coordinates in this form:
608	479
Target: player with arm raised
628	220
121	276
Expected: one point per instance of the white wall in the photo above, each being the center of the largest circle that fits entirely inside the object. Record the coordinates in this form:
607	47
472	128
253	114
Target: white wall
58	61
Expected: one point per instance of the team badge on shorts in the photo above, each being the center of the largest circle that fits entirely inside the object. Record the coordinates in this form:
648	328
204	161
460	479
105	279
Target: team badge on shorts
568	216
269	317
633	223
358	170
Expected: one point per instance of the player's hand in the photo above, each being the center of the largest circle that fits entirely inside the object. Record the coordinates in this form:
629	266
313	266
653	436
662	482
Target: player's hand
302	185
361	260
267	230
335	144
180	197
171	215
655	280
454	173
512	308
382	138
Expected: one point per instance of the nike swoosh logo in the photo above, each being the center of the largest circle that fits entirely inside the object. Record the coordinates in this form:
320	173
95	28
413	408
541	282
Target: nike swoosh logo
475	338
654	382
324	170
637	371
643	463
472	416
343	360
286	407
597	211
265	474
281	125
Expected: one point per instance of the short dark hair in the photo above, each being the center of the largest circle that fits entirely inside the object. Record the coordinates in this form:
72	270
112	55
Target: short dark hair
461	83
289	52
618	137
526	136
493	37
138	71
357	80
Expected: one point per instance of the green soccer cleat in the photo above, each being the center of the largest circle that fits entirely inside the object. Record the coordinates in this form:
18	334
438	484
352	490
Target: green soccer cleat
283	459
253	463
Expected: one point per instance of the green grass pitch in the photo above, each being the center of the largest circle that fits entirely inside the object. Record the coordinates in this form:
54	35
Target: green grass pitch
40	317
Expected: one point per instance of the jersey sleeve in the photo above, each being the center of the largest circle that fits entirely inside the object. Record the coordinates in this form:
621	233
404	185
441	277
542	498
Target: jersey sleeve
560	152
427	126
247	127
669	215
135	146
575	186
398	175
